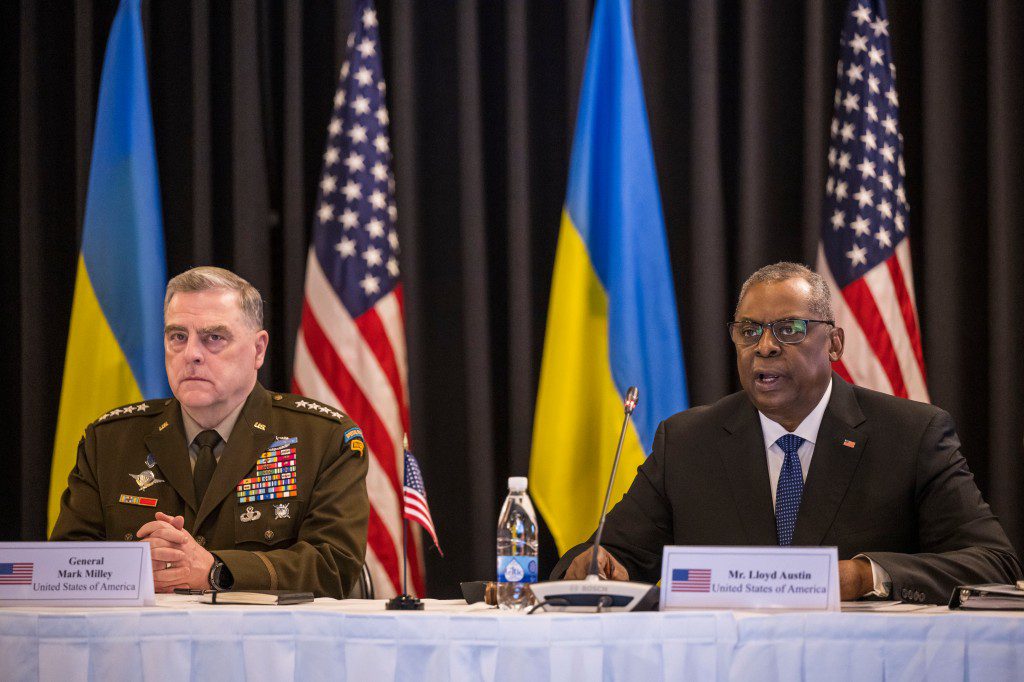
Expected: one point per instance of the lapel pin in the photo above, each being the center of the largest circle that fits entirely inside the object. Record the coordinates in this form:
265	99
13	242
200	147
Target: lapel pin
150	460
163	426
848	443
260	425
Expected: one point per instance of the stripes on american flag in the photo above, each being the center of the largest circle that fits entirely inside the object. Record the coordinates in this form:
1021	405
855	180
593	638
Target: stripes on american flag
864	252
691	579
350	349
415	498
19	573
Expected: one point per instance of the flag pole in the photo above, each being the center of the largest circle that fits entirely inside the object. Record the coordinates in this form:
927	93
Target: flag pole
404	601
405	555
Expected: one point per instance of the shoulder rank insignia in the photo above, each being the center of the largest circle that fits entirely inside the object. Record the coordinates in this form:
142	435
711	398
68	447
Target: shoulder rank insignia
301	404
124	411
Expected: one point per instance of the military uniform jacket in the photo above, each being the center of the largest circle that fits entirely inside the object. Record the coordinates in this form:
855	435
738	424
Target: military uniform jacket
311	537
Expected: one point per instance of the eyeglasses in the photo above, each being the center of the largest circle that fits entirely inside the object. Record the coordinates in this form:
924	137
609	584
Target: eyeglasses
749	333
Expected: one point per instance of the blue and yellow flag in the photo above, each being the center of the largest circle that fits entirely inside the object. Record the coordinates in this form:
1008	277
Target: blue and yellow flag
612	320
115	348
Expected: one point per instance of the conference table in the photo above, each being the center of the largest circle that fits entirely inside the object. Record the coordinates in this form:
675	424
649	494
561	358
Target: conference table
181	639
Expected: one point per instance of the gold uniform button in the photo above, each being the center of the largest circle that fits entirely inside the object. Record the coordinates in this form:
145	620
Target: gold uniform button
278	397
128	537
201	540
269	535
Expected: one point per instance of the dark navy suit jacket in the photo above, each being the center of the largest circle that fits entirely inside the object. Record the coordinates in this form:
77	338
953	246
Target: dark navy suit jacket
887	480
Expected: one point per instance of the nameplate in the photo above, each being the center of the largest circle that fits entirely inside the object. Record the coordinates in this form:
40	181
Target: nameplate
75	574
804	578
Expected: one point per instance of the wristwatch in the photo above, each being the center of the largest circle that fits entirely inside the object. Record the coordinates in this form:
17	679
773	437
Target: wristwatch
220	575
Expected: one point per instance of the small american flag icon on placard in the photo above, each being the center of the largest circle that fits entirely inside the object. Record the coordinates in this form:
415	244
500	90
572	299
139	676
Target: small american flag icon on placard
16	574
691	579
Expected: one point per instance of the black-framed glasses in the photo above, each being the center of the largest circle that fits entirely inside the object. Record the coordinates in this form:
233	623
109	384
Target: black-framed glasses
789	331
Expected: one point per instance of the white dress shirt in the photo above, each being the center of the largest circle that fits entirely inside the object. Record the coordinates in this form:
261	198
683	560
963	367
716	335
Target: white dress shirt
808	430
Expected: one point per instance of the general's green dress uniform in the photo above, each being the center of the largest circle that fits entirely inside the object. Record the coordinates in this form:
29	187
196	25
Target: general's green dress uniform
286	507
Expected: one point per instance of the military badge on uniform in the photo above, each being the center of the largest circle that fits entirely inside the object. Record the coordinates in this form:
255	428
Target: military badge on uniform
281	511
141	501
145	479
282	442
150	461
250	515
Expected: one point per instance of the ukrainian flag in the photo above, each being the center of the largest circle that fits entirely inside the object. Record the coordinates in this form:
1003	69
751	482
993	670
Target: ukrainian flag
612	320
115	348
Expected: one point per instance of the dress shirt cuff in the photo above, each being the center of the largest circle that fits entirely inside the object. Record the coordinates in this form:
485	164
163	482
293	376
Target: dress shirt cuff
879	577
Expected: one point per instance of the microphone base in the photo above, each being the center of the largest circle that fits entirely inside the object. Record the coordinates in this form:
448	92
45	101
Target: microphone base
585	596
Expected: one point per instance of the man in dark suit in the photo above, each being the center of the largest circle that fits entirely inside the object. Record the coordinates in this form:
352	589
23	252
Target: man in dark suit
232	485
885	480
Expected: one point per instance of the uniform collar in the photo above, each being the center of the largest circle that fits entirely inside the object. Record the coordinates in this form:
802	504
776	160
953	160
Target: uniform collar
223	429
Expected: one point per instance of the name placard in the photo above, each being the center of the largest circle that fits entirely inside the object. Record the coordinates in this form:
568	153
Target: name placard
75	574
805	578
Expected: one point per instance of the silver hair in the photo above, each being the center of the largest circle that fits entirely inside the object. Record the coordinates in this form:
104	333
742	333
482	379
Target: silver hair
207	278
821	297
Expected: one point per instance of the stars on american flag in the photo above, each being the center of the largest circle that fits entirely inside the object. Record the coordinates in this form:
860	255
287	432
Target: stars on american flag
866	205
356	207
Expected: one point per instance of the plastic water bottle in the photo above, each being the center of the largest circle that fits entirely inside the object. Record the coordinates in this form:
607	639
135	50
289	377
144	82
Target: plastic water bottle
517	547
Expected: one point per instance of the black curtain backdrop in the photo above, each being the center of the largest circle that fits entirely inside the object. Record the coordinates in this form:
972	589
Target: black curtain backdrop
483	98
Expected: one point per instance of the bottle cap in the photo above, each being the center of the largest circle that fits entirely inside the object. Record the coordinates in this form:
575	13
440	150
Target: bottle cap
517	484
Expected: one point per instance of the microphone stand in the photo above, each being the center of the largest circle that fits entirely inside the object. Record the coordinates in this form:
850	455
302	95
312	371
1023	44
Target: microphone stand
632	395
593	594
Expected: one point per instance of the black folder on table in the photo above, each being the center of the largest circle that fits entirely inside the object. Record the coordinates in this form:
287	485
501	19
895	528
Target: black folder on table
272	597
989	597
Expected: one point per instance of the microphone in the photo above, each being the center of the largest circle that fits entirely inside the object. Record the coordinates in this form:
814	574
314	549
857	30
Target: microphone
592	593
632	396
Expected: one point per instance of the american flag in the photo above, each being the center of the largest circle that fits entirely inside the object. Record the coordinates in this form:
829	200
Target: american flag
16	574
691	579
865	252
350	350
415	497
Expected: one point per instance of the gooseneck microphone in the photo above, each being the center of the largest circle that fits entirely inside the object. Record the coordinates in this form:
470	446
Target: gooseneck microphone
632	396
593	594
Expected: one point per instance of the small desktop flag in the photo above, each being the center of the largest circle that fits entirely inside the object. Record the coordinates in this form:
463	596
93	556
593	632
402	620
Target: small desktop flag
691	580
16	574
415	507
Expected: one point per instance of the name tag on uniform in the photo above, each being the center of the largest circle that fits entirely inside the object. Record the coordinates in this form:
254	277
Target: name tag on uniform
76	574
804	578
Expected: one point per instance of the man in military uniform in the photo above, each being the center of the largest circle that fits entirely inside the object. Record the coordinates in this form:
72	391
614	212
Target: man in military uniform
233	486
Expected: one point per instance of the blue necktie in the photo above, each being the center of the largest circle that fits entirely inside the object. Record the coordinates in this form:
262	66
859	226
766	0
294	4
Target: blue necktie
789	489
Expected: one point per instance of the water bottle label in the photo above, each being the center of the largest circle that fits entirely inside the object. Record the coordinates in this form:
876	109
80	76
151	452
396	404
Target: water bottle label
517	569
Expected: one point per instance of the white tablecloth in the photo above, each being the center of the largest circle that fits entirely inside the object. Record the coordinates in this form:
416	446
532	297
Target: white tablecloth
357	640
